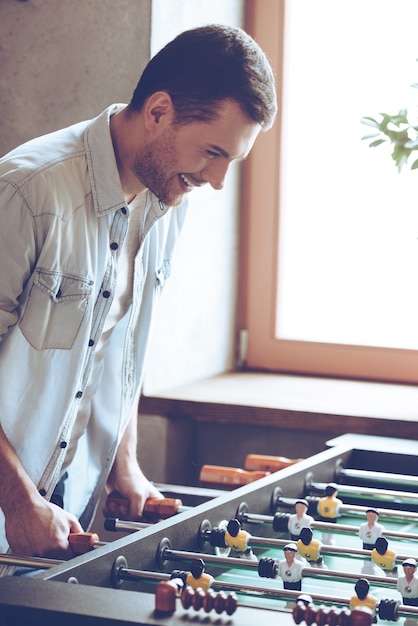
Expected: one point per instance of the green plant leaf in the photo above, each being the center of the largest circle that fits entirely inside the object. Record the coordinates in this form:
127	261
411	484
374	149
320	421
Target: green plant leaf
370	136
369	121
412	145
376	143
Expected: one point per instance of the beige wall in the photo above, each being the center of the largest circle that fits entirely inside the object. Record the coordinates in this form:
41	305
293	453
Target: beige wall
63	61
195	334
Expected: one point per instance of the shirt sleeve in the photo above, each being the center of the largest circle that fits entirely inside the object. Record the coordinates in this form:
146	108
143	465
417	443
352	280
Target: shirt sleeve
17	252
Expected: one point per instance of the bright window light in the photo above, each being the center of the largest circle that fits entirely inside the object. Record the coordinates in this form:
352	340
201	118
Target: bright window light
348	241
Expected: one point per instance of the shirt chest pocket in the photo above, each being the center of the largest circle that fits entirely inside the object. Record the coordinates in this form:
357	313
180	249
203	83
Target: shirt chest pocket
55	309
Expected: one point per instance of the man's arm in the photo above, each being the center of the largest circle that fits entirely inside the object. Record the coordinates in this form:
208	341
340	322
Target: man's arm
34	527
127	478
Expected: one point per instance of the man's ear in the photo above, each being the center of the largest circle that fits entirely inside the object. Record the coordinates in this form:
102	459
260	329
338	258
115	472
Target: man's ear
159	111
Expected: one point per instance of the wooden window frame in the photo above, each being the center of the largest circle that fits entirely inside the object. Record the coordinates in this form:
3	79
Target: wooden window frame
259	254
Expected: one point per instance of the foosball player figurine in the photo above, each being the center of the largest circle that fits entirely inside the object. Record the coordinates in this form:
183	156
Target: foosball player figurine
407	584
195	577
309	548
384	557
370	530
299	519
238	540
362	598
290	568
329	505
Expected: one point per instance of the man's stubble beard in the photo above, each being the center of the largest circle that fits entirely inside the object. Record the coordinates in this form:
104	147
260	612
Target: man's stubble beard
155	167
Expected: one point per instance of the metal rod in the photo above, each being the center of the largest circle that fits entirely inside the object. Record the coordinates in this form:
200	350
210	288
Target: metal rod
267	542
38	562
336	528
185	490
311	572
115	524
377	494
379	477
281	594
354	509
32	562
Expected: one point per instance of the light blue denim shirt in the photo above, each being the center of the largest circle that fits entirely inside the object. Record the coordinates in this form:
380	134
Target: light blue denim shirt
63	220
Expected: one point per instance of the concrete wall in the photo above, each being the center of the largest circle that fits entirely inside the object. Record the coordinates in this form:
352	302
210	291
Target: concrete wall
63	61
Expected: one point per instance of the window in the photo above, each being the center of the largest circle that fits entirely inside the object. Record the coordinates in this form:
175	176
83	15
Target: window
332	228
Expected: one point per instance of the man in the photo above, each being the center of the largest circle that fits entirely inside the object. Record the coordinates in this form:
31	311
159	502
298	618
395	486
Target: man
89	219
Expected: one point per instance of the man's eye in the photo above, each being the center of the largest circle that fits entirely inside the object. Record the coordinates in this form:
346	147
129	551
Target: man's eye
212	155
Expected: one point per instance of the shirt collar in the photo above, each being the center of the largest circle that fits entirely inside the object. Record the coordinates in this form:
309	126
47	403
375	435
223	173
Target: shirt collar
103	170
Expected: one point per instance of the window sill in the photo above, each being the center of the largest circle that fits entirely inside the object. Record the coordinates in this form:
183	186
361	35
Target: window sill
294	402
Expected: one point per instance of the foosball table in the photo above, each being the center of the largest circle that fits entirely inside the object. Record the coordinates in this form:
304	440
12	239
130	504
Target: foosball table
235	543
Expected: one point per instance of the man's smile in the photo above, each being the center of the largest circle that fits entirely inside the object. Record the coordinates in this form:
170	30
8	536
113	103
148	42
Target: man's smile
188	183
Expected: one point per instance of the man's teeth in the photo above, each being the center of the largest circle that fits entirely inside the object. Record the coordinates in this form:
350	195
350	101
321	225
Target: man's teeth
186	180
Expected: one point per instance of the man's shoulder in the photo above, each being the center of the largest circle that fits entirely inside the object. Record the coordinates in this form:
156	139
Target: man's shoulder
41	153
50	149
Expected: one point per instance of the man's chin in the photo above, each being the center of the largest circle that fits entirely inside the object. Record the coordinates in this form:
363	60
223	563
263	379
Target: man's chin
173	200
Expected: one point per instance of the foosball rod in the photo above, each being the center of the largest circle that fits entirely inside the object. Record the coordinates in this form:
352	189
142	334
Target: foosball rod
121	573
167	554
186	490
31	562
377	477
254	518
204	536
80	543
370	492
282	502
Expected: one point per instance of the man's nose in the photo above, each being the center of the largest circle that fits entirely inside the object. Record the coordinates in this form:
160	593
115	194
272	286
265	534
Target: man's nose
215	173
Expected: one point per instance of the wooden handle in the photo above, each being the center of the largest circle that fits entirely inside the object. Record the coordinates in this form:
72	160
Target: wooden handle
220	475
268	463
82	542
154	508
162	508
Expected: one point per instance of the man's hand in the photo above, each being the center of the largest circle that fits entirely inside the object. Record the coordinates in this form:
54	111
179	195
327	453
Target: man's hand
41	529
135	489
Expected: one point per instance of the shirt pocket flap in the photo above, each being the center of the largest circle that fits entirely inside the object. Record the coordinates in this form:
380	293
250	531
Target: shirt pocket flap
61	286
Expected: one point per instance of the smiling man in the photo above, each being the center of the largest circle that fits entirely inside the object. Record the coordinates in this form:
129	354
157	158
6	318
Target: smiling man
89	217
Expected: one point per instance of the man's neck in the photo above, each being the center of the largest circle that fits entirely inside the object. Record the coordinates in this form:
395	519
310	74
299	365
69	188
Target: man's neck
125	133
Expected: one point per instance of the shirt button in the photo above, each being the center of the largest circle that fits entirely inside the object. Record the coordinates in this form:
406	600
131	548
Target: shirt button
106	294
114	245
79	394
91	343
42	492
123	209
63	444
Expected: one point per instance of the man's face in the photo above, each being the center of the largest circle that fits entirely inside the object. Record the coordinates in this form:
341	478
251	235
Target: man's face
184	157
